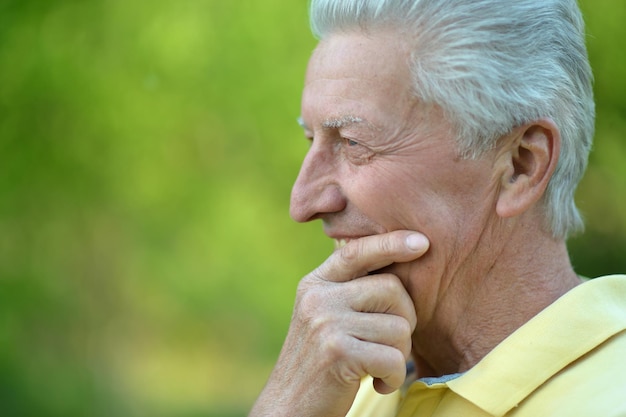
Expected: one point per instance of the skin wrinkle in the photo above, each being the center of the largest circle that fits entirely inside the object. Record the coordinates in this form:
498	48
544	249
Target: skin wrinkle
465	346
487	234
445	291
487	263
475	341
414	140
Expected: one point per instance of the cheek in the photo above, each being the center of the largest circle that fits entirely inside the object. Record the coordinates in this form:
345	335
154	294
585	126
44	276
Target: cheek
399	198
441	203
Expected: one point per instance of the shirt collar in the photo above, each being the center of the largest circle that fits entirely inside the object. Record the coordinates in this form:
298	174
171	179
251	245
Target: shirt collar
575	324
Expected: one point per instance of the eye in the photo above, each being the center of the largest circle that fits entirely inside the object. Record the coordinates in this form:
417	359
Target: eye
356	152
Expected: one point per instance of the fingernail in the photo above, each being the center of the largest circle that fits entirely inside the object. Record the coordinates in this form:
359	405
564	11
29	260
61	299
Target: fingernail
417	241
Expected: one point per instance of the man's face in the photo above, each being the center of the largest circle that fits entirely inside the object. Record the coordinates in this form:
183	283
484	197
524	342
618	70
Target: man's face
381	161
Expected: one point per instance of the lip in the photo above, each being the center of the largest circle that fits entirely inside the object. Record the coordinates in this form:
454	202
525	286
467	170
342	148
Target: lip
343	237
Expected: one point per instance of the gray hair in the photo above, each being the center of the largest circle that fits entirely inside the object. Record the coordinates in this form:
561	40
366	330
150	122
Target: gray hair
492	65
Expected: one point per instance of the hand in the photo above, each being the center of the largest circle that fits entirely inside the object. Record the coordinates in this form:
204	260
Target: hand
346	324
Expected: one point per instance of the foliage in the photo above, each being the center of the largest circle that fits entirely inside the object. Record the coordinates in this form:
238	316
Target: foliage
147	260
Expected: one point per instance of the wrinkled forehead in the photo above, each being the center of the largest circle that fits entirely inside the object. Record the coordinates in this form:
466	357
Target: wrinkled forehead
379	55
351	75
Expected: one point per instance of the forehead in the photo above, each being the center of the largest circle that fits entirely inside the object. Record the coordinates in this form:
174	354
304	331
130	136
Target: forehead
356	74
378	53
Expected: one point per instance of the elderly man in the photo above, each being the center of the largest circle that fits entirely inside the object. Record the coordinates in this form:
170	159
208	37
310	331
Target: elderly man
447	139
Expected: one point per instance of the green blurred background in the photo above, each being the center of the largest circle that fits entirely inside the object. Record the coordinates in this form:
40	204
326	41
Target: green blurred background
147	150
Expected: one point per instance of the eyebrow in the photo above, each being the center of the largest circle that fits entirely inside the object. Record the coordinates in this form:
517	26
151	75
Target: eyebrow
335	122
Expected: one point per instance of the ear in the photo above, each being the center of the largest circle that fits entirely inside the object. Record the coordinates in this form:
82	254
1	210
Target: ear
528	164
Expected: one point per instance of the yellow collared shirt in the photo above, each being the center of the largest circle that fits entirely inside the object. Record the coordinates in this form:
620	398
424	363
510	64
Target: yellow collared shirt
568	361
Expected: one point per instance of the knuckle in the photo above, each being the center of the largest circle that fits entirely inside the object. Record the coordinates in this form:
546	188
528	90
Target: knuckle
321	326
402	339
389	291
308	299
387	245
319	274
347	373
315	277
334	345
404	330
390	284
313	311
350	253
339	359
335	348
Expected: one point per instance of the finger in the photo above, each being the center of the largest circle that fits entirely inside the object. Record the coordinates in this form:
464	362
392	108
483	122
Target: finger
383	293
386	364
370	253
382	362
382	388
383	329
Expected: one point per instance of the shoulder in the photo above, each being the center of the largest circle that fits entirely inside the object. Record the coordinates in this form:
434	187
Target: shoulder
593	383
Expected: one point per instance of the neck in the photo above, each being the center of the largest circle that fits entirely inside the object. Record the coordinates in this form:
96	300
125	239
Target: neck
480	310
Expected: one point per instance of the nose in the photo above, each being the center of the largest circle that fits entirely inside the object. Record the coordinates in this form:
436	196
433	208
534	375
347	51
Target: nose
317	190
